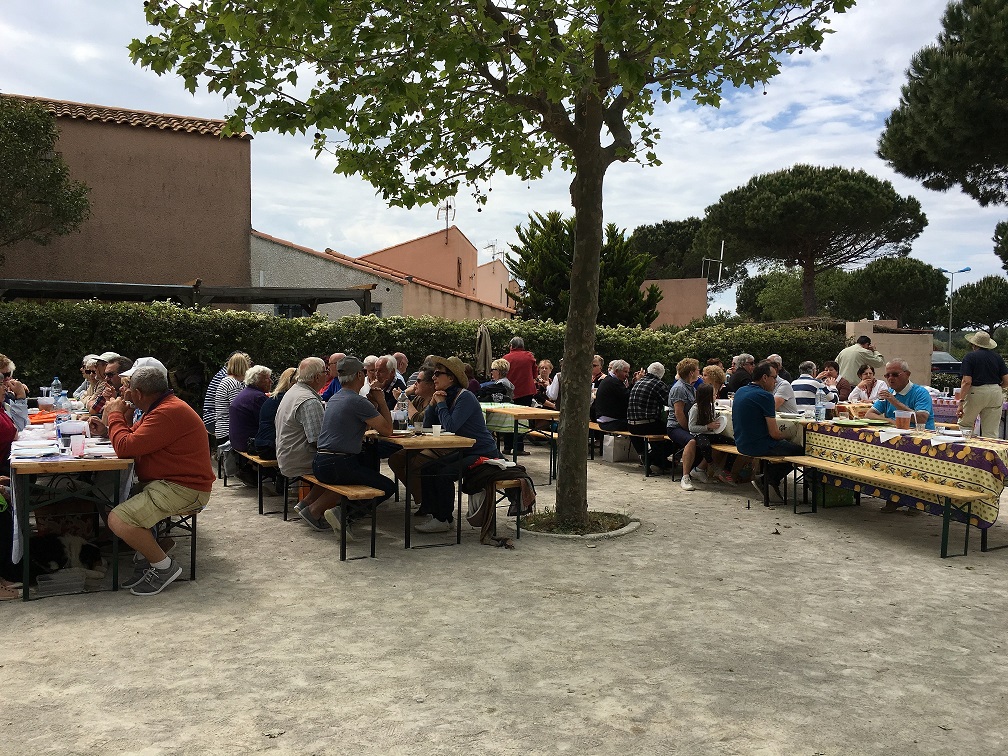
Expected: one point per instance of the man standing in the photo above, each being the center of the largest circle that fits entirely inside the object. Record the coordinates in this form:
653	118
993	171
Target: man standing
646	415
743	372
298	423
904	395
754	418
340	457
522	372
861	352
334	384
613	397
172	455
984	374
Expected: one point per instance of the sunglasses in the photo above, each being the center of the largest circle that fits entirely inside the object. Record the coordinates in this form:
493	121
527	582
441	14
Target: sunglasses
439	372
424	380
894	375
113	374
89	372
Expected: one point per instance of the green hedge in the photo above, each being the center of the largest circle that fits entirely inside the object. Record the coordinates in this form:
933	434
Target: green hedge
48	339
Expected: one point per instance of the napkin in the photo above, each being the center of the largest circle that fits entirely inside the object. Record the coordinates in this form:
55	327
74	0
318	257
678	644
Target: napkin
888	434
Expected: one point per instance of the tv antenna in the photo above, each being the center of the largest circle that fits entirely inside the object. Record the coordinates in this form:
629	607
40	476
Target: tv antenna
448	208
708	263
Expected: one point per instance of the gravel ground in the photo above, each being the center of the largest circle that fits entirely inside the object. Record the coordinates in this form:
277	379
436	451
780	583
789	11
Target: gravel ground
716	627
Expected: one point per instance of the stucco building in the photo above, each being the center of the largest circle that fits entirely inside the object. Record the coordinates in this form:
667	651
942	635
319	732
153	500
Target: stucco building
683	300
170	200
278	262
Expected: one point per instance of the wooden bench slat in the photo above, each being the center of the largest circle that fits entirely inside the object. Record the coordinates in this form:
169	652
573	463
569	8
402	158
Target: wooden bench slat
258	460
629	434
352	492
885	480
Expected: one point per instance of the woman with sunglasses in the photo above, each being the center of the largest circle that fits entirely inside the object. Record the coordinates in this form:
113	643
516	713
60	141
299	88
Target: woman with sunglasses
87	373
457	411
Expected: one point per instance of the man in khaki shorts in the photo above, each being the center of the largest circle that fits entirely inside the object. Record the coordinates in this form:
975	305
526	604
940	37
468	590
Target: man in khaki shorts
171	450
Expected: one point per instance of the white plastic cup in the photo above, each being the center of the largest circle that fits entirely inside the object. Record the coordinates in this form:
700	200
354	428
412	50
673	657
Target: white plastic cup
436	430
77	445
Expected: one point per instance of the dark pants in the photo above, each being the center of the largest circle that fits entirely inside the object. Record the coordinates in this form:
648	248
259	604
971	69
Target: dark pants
437	482
775	471
516	439
660	450
353	470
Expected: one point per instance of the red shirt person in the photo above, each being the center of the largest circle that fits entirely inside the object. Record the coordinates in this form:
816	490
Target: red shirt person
522	372
171	450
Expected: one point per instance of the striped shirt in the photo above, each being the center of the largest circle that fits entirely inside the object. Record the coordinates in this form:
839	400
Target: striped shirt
805	388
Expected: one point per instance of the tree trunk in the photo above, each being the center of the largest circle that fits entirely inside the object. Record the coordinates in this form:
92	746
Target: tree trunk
579	338
809	302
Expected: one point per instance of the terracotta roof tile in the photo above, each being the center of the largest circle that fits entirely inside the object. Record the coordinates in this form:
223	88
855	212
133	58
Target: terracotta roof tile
126	117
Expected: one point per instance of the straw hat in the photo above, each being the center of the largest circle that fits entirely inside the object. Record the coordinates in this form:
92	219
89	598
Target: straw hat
982	339
456	366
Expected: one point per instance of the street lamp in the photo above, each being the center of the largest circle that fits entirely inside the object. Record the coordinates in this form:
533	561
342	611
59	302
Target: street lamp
951	275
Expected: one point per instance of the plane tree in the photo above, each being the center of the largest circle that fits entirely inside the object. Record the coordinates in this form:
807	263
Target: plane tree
423	98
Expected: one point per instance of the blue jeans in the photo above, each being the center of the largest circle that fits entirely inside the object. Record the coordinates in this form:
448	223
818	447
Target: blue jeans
353	470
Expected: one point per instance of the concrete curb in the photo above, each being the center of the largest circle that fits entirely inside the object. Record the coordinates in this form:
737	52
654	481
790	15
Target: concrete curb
630	527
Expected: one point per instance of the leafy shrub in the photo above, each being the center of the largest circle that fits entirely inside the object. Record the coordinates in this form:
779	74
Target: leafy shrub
49	339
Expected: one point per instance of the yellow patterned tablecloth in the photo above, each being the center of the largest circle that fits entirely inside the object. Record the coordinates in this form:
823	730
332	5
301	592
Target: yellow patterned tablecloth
976	465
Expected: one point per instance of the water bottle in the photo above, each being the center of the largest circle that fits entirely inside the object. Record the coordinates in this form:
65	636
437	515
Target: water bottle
400	416
63	402
56	388
820	405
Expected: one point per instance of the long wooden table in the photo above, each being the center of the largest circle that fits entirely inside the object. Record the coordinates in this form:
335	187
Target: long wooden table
413	444
518	413
21	472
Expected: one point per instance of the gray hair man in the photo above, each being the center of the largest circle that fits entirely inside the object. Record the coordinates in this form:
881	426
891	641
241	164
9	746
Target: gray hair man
646	416
171	451
744	365
298	423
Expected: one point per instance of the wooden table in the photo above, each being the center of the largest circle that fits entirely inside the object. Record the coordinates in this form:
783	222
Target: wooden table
979	464
21	472
413	444
518	412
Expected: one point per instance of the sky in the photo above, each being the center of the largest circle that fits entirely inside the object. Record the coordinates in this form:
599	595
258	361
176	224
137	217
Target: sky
825	108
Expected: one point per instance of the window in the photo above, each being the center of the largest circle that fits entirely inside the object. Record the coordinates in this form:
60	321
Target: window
289	311
376	308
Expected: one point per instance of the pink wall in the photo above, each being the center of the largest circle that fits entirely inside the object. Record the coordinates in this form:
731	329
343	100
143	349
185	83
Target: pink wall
452	265
683	300
167	207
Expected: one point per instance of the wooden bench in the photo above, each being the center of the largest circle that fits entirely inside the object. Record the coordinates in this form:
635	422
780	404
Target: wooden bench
261	464
951	496
351	493
186	522
593	426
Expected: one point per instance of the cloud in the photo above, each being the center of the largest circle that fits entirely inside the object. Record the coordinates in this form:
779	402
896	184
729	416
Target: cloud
825	107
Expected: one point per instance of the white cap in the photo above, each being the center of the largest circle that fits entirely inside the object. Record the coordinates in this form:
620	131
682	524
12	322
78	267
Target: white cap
106	356
145	362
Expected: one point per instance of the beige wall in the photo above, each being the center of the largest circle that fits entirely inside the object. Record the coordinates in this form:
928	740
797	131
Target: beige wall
493	283
915	348
452	265
166	207
683	300
421	300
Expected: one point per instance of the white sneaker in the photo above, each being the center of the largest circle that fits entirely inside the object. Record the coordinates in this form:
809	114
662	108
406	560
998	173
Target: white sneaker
699	475
687	484
434	526
332	516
